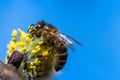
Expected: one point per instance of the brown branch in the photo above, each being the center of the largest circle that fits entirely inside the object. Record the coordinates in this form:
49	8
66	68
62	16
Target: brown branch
8	72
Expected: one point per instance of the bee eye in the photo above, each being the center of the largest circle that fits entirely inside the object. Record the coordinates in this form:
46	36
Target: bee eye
38	26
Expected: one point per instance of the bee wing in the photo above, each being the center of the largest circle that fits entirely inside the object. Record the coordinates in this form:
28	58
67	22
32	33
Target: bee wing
71	47
69	41
73	40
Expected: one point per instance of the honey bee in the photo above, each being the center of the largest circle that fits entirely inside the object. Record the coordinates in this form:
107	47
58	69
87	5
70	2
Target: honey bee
59	41
40	53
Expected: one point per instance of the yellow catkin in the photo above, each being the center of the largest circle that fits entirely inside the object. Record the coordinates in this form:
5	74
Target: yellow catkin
14	33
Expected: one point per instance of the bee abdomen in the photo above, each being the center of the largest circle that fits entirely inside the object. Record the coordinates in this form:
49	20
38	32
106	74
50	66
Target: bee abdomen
60	60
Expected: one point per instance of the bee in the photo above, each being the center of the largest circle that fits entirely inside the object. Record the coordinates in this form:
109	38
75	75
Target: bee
59	41
40	53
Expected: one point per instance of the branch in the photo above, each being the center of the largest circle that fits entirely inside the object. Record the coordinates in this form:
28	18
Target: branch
8	72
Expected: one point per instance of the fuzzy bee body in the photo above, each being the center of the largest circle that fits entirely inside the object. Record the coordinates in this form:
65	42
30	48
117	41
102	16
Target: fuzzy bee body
60	54
50	35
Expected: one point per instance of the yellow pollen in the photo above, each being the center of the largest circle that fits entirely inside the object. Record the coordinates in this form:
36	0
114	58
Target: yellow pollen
41	42
14	33
37	47
21	44
45	53
28	39
34	52
14	39
23	50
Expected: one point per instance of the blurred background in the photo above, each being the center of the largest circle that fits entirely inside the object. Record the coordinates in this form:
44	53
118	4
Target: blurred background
95	23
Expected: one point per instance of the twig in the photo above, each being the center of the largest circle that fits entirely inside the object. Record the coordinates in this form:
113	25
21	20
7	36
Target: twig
8	72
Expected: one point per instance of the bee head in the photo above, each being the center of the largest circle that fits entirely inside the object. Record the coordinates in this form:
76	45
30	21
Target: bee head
45	27
39	25
42	29
34	27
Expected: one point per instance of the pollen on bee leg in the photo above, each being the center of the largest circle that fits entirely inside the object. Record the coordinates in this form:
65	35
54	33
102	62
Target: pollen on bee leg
45	53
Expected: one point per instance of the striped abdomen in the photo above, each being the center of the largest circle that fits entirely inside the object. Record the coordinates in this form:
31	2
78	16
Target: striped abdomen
60	54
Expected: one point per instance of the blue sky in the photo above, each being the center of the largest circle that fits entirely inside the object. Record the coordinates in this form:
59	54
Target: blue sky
95	23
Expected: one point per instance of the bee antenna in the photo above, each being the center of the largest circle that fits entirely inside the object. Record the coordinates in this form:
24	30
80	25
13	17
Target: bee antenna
32	25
